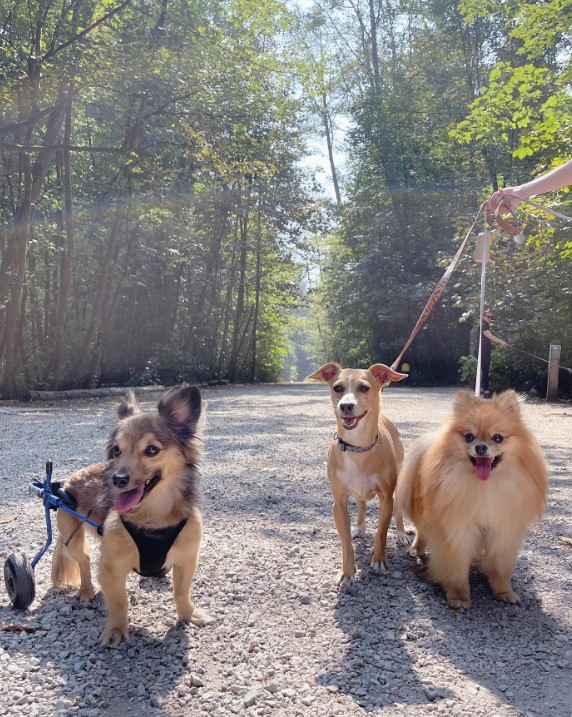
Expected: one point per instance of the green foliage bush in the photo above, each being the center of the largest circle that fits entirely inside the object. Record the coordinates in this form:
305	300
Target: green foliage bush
468	369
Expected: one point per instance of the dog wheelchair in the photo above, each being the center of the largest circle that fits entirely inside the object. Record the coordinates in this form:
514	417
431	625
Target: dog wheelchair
18	569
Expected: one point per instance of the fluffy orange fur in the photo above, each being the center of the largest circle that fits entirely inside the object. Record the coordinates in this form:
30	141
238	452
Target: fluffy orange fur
472	490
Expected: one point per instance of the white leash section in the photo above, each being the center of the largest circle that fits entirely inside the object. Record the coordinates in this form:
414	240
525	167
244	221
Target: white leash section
547	210
482	305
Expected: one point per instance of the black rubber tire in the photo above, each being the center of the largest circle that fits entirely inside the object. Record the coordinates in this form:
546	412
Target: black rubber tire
19	579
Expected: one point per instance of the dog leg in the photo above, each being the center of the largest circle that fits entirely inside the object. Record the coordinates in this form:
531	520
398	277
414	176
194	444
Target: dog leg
342	521
449	566
498	565
378	559
183	577
359	530
402	537
187	611
113	579
74	556
417	550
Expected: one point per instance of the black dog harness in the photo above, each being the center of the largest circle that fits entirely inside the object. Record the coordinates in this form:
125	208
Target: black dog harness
153	546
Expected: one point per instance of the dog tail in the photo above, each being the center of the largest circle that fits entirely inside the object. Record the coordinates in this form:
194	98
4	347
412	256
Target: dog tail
406	478
65	570
404	497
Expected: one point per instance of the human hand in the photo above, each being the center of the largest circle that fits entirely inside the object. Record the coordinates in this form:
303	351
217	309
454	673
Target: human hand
509	196
503	344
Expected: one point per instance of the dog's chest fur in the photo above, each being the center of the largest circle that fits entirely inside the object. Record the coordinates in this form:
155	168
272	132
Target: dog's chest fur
358	483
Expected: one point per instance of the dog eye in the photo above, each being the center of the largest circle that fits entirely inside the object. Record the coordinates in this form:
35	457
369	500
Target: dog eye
469	437
363	388
116	451
497	438
338	388
151	451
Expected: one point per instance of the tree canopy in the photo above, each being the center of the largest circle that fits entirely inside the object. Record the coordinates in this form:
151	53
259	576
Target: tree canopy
159	222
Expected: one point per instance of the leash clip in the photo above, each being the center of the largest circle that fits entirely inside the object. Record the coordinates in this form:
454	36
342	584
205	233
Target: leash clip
341	443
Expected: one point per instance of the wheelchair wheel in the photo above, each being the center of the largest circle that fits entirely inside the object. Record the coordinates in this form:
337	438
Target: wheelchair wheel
19	579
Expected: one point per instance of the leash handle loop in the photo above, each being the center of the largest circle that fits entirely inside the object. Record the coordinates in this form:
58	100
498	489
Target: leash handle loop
511	226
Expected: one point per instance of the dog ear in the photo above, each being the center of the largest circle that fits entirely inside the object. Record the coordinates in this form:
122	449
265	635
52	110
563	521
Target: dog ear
464	400
509	401
327	372
385	375
181	409
128	406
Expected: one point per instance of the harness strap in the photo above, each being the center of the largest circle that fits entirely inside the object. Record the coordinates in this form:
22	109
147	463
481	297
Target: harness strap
153	545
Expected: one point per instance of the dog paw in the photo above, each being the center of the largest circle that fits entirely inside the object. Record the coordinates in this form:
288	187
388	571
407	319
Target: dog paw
86	594
412	552
358	531
508	596
113	635
457	601
197	617
343	581
402	538
379	567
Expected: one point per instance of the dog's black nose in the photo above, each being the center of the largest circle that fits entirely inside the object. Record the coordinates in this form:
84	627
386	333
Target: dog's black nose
481	449
121	480
347	407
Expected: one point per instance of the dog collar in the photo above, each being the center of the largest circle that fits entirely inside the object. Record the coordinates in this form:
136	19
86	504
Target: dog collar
348	446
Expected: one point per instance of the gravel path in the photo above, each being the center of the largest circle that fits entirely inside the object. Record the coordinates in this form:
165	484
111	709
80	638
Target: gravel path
284	641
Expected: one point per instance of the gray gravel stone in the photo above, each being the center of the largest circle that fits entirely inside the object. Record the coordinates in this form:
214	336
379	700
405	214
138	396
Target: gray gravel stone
284	642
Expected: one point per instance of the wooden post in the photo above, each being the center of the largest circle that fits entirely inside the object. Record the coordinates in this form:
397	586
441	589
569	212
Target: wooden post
553	371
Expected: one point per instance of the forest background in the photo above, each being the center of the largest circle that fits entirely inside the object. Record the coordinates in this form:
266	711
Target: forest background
161	219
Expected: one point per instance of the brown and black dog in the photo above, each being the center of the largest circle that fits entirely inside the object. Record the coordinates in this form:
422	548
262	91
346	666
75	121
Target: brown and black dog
146	498
364	457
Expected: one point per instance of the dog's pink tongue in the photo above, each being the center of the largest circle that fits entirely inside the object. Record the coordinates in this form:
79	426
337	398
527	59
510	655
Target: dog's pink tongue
129	499
483	467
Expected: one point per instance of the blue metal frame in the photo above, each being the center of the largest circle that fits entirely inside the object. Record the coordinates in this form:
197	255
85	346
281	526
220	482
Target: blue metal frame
44	491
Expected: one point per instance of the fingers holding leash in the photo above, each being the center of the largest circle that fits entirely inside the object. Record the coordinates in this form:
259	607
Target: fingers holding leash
508	196
500	204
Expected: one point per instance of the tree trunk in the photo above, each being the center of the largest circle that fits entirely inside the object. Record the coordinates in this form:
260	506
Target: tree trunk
81	368
328	130
239	311
15	274
90	338
60	349
228	300
254	345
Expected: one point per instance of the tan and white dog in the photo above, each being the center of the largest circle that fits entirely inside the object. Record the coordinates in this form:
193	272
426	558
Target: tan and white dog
364	458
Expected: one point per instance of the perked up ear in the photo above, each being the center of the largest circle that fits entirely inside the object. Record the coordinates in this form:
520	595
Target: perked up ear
327	372
464	401
181	409
128	406
509	401
384	374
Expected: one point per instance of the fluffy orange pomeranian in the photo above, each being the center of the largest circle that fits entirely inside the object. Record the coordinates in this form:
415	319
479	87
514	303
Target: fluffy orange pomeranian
472	490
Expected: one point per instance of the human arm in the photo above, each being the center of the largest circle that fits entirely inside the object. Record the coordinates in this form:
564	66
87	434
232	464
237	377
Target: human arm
555	179
495	339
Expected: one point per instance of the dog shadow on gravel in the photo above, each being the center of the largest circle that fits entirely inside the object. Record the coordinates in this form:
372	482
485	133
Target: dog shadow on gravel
374	668
128	680
403	645
518	655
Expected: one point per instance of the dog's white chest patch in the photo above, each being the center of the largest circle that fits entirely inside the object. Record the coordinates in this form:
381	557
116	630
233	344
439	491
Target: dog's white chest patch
357	483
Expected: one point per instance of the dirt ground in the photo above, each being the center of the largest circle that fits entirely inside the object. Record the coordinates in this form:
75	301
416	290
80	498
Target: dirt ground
284	640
